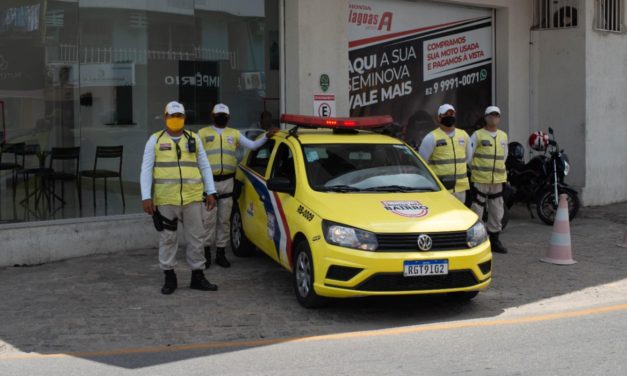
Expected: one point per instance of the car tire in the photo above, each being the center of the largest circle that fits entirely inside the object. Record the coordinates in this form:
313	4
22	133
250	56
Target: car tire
241	246
462	296
303	277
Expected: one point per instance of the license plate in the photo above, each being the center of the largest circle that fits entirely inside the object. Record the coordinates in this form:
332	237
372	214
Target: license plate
423	268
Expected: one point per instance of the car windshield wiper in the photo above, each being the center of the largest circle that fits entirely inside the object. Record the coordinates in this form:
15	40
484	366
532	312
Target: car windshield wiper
397	188
340	188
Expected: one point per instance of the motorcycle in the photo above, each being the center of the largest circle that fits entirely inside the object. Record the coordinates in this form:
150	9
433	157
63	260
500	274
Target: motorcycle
539	181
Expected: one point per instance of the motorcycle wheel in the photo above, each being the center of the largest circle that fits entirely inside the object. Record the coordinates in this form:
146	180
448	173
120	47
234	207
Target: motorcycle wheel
546	207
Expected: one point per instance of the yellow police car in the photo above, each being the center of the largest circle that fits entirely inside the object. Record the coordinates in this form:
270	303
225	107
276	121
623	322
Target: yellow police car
352	212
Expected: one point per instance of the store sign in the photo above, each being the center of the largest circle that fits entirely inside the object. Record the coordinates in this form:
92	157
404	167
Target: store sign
407	58
324	105
198	79
98	75
201	93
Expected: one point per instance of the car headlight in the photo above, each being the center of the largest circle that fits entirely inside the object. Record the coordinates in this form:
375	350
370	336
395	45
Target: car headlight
476	235
349	237
566	168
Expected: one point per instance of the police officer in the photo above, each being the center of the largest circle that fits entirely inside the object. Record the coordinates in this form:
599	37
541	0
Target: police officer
487	164
445	149
174	175
221	143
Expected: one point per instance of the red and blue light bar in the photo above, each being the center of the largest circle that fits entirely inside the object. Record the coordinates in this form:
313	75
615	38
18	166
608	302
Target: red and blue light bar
367	122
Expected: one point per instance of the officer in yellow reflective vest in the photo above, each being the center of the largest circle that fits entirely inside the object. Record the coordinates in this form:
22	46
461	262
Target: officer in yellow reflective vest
174	175
445	149
221	143
487	165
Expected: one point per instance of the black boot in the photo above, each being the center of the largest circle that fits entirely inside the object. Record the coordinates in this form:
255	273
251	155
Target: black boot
497	246
221	258
199	282
170	282
207	257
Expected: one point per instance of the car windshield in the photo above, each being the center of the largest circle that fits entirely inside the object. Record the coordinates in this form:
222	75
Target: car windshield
366	167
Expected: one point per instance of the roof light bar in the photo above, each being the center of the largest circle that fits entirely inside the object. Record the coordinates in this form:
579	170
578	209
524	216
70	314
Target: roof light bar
337	123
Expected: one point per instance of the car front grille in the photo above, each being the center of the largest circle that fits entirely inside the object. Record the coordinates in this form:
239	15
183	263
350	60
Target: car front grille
398	282
442	241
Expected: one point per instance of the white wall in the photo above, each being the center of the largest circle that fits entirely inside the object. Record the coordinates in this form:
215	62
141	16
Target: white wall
316	42
606	115
559	64
43	242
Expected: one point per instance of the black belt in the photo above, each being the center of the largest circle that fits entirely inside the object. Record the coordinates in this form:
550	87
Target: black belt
218	196
487	197
490	196
223	177
225	195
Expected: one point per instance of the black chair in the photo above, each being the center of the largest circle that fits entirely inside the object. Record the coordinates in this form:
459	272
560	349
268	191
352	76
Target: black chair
28	150
39	173
106	152
61	156
14	167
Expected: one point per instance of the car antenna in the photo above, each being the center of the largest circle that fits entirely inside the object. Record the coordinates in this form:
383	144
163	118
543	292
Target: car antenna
293	132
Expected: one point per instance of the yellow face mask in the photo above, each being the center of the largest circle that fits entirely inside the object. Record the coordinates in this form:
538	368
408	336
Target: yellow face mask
175	124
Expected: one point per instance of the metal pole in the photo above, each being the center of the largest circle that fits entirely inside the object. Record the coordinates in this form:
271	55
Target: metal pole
4	125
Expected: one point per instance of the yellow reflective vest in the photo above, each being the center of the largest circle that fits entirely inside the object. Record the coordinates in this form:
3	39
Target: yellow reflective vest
176	177
448	159
221	149
488	161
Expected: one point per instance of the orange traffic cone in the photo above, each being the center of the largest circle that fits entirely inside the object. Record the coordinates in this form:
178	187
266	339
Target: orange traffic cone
624	245
560	250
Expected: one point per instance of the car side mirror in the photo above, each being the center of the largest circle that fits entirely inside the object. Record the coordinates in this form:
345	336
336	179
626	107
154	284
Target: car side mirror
448	183
281	184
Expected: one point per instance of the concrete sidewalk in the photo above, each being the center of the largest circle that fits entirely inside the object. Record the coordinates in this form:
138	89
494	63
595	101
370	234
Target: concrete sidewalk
108	302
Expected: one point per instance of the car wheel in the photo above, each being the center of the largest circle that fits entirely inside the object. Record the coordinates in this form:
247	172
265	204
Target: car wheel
303	275
241	246
462	296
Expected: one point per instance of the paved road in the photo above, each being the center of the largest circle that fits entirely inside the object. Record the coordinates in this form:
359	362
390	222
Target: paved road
104	315
591	343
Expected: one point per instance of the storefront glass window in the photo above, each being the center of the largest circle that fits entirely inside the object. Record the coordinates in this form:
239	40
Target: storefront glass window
90	78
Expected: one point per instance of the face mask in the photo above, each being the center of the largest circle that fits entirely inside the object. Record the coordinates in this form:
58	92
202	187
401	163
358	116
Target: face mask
493	121
221	120
448	121
175	124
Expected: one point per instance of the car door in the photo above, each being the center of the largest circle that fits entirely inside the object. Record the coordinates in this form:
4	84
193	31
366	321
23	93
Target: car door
254	194
284	204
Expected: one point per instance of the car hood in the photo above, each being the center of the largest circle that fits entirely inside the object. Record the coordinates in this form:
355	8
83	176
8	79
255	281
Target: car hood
394	212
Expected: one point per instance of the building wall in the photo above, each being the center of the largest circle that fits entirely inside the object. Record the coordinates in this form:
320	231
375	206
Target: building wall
606	115
43	242
316	42
558	92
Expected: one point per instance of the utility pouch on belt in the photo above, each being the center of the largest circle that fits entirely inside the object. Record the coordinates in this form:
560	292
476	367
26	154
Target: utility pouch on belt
162	223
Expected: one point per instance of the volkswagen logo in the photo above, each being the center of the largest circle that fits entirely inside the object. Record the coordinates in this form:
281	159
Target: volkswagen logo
424	242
